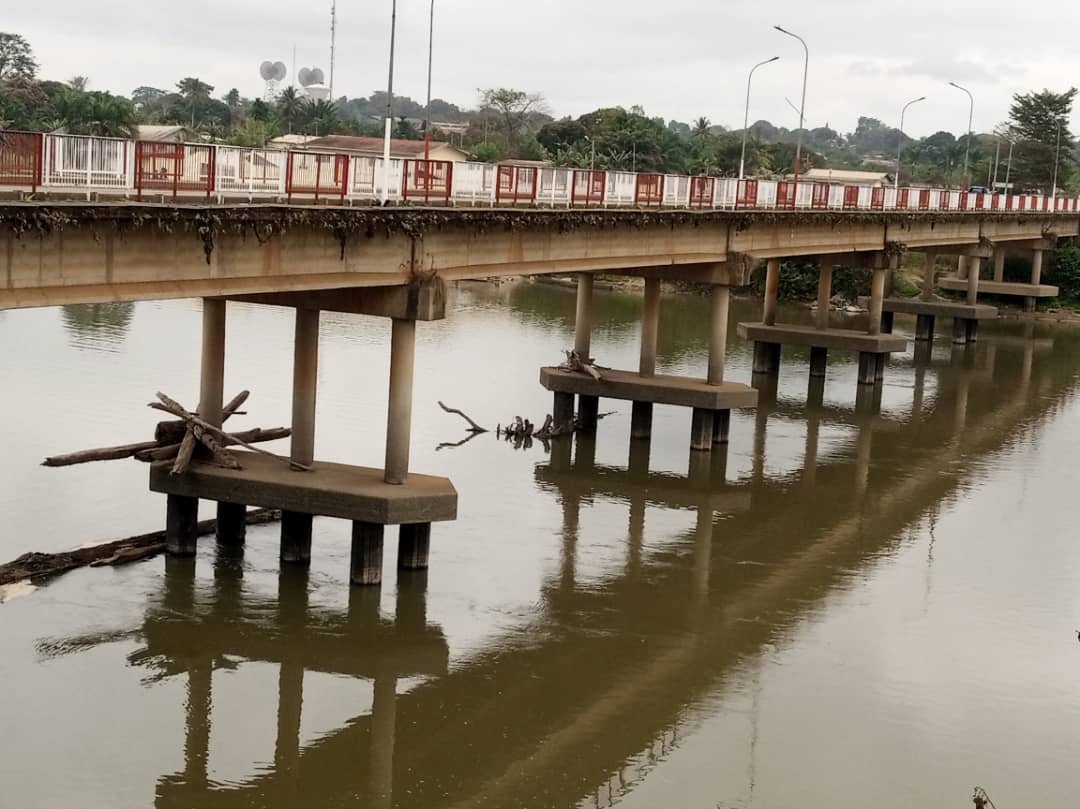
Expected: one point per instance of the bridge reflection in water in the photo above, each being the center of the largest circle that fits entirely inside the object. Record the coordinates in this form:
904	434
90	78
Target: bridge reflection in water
579	705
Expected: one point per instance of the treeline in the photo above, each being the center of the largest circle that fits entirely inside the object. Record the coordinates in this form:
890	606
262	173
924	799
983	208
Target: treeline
508	123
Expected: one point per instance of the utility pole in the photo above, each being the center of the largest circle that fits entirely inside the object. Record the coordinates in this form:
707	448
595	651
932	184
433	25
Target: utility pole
385	196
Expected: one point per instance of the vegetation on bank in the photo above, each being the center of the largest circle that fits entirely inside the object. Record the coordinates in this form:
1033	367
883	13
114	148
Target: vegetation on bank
510	123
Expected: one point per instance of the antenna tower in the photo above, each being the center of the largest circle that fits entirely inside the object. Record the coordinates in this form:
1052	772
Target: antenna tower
333	36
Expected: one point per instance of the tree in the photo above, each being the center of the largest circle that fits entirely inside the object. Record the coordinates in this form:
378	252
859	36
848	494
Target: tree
147	96
1037	119
406	130
289	107
260	111
194	91
96	113
701	128
320	117
16	58
513	111
78	83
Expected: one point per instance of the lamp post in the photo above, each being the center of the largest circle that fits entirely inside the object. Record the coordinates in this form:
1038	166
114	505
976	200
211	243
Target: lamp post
967	143
592	155
385	196
1057	157
746	114
900	146
427	108
802	106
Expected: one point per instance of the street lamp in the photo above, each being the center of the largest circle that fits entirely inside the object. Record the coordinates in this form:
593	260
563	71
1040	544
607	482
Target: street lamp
1057	157
746	115
385	196
900	147
967	143
427	109
802	106
592	156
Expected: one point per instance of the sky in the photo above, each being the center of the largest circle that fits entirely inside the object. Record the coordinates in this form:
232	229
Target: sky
679	59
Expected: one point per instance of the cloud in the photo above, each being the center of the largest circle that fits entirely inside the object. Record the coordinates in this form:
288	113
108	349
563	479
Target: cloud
943	69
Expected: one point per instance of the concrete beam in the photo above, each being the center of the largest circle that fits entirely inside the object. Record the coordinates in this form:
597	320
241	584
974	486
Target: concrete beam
735	272
425	301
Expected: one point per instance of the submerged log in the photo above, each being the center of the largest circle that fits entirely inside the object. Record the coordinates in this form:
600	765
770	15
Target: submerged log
473	426
40	566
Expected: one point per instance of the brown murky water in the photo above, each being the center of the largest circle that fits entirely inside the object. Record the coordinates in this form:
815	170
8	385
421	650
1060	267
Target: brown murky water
853	605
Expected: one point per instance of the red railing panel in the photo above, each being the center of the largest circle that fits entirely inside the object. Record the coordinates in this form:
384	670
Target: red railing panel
516	184
702	190
877	198
316	173
785	194
174	167
924	199
902	195
1022	203
649	189
746	194
20	158
944	200
427	180
820	196
851	197
589	186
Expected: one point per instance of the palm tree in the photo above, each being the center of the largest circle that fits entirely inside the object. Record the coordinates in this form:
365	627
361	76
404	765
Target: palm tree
78	83
701	127
194	90
289	106
96	113
321	116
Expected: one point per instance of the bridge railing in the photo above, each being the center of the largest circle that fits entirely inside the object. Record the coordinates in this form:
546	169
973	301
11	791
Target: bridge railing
60	163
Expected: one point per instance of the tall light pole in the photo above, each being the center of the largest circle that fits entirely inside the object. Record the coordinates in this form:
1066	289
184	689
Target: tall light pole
967	143
389	107
802	105
427	108
592	155
900	146
1057	157
746	114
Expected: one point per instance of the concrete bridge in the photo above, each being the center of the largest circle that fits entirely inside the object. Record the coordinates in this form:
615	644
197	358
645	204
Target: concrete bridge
395	262
425	744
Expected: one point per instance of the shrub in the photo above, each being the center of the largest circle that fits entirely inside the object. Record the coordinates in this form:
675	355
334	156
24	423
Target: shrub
1065	272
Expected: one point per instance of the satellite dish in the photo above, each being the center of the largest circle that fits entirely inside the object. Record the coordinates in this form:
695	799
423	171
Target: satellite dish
266	70
279	70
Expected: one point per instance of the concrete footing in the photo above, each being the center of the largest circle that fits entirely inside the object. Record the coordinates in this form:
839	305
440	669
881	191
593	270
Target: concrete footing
562	414
965	331
924	328
868	368
721	426
588	412
296	537
365	566
701	429
641	415
181	519
414	543
231	525
766	358
819	358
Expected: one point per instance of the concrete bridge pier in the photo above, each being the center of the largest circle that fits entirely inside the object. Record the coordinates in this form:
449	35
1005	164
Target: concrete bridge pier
641	413
1036	278
296	526
588	406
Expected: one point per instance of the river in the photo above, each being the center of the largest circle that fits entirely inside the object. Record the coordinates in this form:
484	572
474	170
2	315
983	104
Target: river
852	605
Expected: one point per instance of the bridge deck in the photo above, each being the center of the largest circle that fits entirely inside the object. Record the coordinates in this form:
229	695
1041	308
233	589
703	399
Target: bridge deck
843	339
1001	288
671	390
330	490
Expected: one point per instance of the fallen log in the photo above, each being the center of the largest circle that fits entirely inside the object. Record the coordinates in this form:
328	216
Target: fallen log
584	365
473	426
172	432
40	566
259	435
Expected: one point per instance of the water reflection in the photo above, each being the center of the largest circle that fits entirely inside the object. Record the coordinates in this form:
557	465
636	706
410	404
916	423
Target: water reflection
593	693
98	326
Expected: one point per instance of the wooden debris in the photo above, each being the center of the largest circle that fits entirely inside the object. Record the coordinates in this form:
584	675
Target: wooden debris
473	426
39	566
258	435
583	365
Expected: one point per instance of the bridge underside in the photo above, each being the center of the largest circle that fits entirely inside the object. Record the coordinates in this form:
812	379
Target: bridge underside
77	253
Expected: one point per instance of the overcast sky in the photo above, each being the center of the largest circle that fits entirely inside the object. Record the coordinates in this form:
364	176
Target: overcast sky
678	59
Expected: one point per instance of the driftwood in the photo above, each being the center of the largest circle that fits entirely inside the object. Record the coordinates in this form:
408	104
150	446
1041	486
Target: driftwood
473	426
40	566
218	437
258	435
583	365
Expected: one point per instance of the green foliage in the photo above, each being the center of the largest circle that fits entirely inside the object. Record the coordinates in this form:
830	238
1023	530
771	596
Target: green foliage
1065	272
799	281
1035	120
407	131
289	108
486	152
96	113
254	132
16	58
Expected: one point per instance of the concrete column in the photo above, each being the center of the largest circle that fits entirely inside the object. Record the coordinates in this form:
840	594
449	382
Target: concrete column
721	426
295	526
879	370
641	414
928	277
399	415
824	293
181	518
367	553
718	323
212	376
924	328
231	527
867	368
959	332
961	267
1036	267
877	299
583	318
887	321
972	329
766	358
974	267
563	411
999	264
414	542
819	357
772	287
701	429
383	726
650	327
588	412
